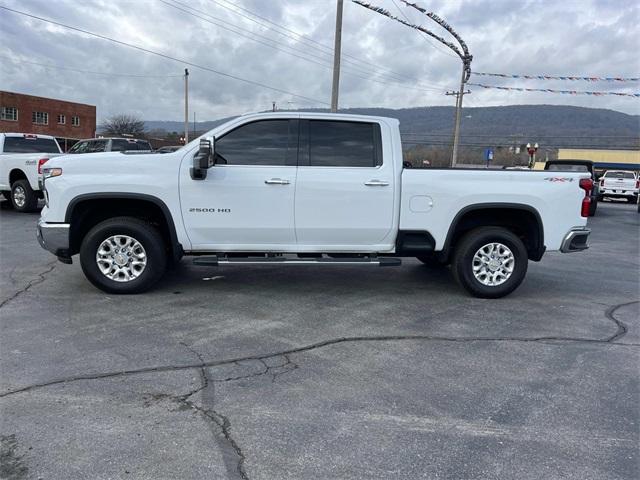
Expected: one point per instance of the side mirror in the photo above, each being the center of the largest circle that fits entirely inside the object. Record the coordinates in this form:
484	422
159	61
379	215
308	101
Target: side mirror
203	159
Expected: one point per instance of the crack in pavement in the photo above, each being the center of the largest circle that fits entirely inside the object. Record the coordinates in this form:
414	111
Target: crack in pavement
221	421
550	340
41	278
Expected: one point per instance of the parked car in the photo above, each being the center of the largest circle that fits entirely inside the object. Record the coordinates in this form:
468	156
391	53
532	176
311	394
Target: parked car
22	156
578	166
619	184
169	149
304	188
93	145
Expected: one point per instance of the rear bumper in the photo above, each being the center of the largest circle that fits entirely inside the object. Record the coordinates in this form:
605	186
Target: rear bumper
575	240
54	237
618	192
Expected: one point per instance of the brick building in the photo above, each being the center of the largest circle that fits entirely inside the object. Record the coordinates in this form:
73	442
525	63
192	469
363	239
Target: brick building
68	121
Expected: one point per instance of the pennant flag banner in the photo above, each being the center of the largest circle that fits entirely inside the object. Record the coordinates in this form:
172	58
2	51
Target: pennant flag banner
555	77
549	90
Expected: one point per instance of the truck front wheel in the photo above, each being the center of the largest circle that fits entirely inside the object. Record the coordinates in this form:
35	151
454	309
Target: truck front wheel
490	262
23	198
123	255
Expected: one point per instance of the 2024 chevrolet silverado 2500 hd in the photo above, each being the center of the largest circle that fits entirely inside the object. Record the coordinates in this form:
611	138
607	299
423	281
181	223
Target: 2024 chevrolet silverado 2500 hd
22	156
304	188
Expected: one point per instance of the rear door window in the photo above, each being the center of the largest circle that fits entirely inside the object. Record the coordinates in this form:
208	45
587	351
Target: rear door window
344	144
30	145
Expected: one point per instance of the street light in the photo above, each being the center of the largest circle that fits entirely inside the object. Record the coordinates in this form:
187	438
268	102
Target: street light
532	154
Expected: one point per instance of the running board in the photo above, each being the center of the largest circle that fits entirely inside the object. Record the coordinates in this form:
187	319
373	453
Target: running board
214	261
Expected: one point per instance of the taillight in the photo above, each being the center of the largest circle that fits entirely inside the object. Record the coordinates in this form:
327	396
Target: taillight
638	183
41	162
587	185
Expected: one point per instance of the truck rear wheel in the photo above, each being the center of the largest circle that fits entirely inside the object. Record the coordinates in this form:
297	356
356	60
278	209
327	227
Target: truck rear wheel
23	198
490	262
123	255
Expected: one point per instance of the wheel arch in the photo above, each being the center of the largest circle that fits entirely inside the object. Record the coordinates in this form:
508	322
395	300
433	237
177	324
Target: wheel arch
17	174
87	210
522	219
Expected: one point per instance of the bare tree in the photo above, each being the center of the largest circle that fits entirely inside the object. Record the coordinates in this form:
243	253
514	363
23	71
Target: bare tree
123	124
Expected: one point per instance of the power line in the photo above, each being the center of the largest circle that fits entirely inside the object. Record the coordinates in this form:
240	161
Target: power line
244	33
300	37
169	57
109	74
389	81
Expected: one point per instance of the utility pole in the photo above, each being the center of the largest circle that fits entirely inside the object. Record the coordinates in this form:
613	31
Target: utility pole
336	57
186	106
456	129
274	106
194	124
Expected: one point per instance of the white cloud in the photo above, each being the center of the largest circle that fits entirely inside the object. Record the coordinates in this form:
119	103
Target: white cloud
593	37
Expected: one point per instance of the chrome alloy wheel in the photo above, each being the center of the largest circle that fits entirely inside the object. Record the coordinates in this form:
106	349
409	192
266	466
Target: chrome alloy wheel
121	258
493	264
19	196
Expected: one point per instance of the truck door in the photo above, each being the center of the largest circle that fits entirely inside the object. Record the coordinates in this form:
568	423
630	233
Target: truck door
344	191
246	201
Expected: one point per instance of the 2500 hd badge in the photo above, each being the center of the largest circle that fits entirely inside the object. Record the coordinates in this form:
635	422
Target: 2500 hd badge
209	210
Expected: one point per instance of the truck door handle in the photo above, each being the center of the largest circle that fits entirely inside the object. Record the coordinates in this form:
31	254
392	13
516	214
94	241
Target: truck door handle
376	183
276	181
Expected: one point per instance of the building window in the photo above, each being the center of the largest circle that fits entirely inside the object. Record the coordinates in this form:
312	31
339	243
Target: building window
75	121
61	119
40	118
9	113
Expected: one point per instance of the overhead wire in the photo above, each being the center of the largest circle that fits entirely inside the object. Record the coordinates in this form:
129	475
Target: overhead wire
73	69
169	57
346	57
279	47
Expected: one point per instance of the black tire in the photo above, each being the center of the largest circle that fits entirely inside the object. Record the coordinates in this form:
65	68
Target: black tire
600	198
632	199
470	243
23	197
147	235
432	262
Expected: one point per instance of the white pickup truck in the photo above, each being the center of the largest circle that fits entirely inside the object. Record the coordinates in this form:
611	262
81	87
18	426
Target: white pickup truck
304	188
620	184
22	156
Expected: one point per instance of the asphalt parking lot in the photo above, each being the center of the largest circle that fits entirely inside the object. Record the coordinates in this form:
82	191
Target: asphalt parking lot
278	372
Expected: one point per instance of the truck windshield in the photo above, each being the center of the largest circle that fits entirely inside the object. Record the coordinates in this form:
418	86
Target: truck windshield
30	145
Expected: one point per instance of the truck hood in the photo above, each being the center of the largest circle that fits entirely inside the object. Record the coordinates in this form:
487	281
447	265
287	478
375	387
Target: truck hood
112	161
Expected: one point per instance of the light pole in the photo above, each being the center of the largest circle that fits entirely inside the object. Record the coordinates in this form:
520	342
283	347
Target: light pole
186	106
532	154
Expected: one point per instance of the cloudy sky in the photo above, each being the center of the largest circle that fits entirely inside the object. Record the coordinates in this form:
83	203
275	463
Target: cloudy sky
288	46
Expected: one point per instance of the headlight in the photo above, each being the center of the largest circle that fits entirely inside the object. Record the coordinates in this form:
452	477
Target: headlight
51	172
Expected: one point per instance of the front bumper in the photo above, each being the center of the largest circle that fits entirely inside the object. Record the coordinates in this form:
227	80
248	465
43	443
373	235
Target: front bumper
575	240
54	237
